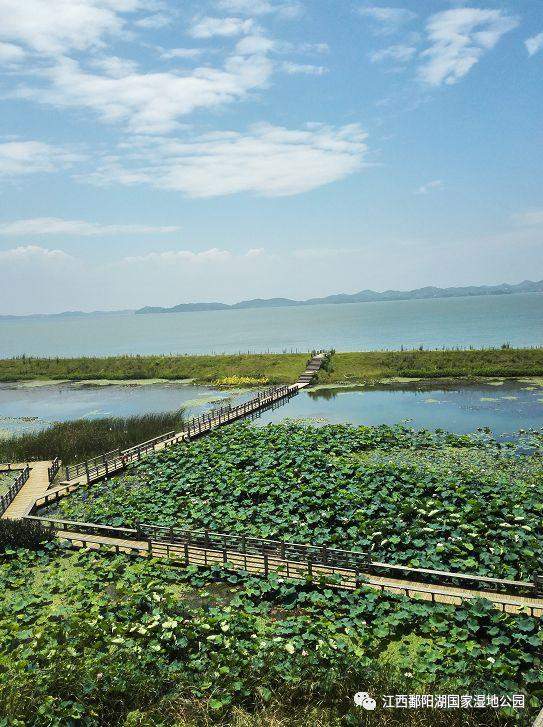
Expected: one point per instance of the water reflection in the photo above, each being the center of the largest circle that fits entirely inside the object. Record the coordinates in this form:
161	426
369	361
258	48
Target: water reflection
502	406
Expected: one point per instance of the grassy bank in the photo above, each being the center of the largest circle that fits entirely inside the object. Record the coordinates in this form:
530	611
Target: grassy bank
276	368
375	365
356	367
83	438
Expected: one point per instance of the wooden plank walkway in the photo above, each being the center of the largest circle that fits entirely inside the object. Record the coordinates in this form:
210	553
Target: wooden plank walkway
37	492
113	463
254	563
313	366
36	485
196	428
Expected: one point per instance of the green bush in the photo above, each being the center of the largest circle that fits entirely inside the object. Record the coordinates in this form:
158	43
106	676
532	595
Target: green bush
23	534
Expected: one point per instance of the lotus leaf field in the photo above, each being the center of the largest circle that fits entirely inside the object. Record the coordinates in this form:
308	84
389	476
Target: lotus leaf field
99	640
420	498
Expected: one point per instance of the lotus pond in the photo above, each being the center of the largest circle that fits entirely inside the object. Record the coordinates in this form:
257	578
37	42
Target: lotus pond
412	497
104	641
97	639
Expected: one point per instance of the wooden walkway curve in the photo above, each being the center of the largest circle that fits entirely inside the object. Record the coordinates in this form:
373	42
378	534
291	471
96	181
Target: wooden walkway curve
37	492
35	487
114	462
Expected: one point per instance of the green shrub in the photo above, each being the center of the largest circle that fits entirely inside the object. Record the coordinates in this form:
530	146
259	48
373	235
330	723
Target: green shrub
23	534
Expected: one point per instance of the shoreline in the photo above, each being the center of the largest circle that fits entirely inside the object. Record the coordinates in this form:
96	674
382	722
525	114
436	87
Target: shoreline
388	384
249	370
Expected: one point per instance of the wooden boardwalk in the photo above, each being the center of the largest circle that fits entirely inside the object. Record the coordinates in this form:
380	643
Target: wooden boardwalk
114	462
37	492
34	488
187	553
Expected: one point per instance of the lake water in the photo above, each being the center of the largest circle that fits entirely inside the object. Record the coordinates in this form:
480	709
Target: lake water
505	406
479	322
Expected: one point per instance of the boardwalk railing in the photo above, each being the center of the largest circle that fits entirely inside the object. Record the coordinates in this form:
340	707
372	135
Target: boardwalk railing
7	498
265	547
53	469
217	417
117	459
241	551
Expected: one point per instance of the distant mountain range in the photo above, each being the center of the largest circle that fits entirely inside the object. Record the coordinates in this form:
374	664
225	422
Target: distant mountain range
67	314
365	296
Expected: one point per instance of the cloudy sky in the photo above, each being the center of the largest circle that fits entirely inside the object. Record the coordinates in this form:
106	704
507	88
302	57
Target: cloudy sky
164	151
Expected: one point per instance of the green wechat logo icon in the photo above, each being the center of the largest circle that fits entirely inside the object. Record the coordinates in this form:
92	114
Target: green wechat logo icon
363	699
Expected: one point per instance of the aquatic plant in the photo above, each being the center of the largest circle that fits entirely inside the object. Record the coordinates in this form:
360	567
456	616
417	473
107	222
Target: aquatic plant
99	640
241	381
81	439
420	498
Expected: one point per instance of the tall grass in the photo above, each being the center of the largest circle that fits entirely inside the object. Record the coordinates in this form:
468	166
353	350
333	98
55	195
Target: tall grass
447	363
83	438
284	368
276	368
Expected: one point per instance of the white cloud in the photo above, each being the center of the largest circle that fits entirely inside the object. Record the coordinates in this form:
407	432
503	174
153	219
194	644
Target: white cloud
210	27
531	218
181	53
53	27
31	157
10	53
154	22
33	254
305	68
458	39
534	44
267	160
395	53
313	48
288	10
115	67
169	257
254	45
60	226
151	102
429	186
386	20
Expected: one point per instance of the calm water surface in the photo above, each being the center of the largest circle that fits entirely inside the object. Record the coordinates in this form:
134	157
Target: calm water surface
505	408
478	322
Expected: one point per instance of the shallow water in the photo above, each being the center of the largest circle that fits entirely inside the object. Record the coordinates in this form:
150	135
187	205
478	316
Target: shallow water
28	408
504	407
477	321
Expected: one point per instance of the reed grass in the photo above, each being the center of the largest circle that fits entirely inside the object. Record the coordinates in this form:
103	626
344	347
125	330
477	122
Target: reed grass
80	439
348	367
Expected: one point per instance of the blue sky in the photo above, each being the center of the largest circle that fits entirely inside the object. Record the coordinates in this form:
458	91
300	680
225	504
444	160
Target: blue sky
157	152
